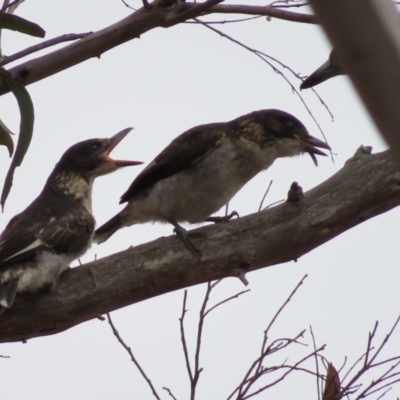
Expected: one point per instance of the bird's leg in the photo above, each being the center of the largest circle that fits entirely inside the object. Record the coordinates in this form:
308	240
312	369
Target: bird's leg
184	236
225	218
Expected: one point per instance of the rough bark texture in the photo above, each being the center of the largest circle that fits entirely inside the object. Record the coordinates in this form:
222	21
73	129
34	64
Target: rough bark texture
366	186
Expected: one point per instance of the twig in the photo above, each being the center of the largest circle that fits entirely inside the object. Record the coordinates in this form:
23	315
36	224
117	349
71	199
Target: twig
285	303
316	362
128	349
225	301
127	5
256	369
167	389
230	21
197	369
48	43
261	10
183	338
265	195
294	367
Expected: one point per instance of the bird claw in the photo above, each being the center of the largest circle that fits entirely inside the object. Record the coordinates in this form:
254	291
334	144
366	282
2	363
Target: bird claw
225	218
183	235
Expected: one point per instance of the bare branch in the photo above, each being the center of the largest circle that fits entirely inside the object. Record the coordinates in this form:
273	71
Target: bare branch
133	358
44	45
262	10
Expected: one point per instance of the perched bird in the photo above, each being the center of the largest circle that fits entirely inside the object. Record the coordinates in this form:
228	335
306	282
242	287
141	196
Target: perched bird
57	227
204	167
327	70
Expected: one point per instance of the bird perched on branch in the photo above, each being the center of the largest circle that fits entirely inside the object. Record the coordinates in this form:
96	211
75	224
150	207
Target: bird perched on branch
327	70
204	167
57	227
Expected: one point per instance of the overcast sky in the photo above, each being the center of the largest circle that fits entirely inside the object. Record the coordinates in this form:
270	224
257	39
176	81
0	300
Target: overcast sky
162	84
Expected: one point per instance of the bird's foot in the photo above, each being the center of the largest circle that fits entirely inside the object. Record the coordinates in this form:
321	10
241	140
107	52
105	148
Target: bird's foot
225	218
183	235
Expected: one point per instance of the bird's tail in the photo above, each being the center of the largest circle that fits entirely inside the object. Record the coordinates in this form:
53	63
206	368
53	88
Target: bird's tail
108	229
7	294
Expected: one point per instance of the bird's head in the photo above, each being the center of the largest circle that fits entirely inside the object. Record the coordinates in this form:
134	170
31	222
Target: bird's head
286	134
91	158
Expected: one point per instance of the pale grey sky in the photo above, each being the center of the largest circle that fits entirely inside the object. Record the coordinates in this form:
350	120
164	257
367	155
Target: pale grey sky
162	84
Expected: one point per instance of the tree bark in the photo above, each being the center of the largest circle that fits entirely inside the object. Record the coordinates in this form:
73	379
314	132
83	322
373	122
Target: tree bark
365	187
131	27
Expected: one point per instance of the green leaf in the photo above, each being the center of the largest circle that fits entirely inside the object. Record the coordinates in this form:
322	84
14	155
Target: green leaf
25	132
5	138
15	23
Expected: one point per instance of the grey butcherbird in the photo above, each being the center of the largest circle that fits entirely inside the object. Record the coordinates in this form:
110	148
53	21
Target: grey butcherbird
204	167
57	227
327	70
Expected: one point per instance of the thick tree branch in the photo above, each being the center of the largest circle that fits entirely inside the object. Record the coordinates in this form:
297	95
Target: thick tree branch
129	28
365	187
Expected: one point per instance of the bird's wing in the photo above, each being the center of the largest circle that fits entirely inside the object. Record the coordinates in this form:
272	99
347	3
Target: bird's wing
183	152
23	237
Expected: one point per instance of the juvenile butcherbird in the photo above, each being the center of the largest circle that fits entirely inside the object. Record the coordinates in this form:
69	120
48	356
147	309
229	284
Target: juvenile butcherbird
57	227
204	167
327	70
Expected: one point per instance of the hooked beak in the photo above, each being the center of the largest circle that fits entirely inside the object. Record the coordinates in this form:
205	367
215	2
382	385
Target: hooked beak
113	142
310	143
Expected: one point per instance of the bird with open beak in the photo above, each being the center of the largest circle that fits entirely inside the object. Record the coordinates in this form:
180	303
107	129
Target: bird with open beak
204	167
327	70
57	227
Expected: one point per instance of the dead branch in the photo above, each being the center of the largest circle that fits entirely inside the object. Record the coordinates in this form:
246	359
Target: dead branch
367	185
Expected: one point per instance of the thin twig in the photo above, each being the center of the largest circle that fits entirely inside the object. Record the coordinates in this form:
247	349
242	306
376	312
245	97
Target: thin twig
127	5
48	43
197	369
225	301
265	195
223	22
128	349
183	337
167	389
316	362
286	302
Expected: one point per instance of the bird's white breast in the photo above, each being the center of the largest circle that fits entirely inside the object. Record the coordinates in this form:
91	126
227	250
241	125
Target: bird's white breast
196	193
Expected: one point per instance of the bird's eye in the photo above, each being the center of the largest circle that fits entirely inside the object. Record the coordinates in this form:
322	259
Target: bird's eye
94	147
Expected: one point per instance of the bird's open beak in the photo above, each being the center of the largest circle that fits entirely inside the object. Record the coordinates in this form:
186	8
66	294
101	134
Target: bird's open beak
113	142
310	143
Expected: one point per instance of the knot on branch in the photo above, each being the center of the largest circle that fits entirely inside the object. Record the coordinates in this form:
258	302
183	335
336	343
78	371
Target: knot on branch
295	193
361	152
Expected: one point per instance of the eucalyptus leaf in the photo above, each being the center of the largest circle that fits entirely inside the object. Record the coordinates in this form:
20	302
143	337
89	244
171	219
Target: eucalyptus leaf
5	138
25	132
15	23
